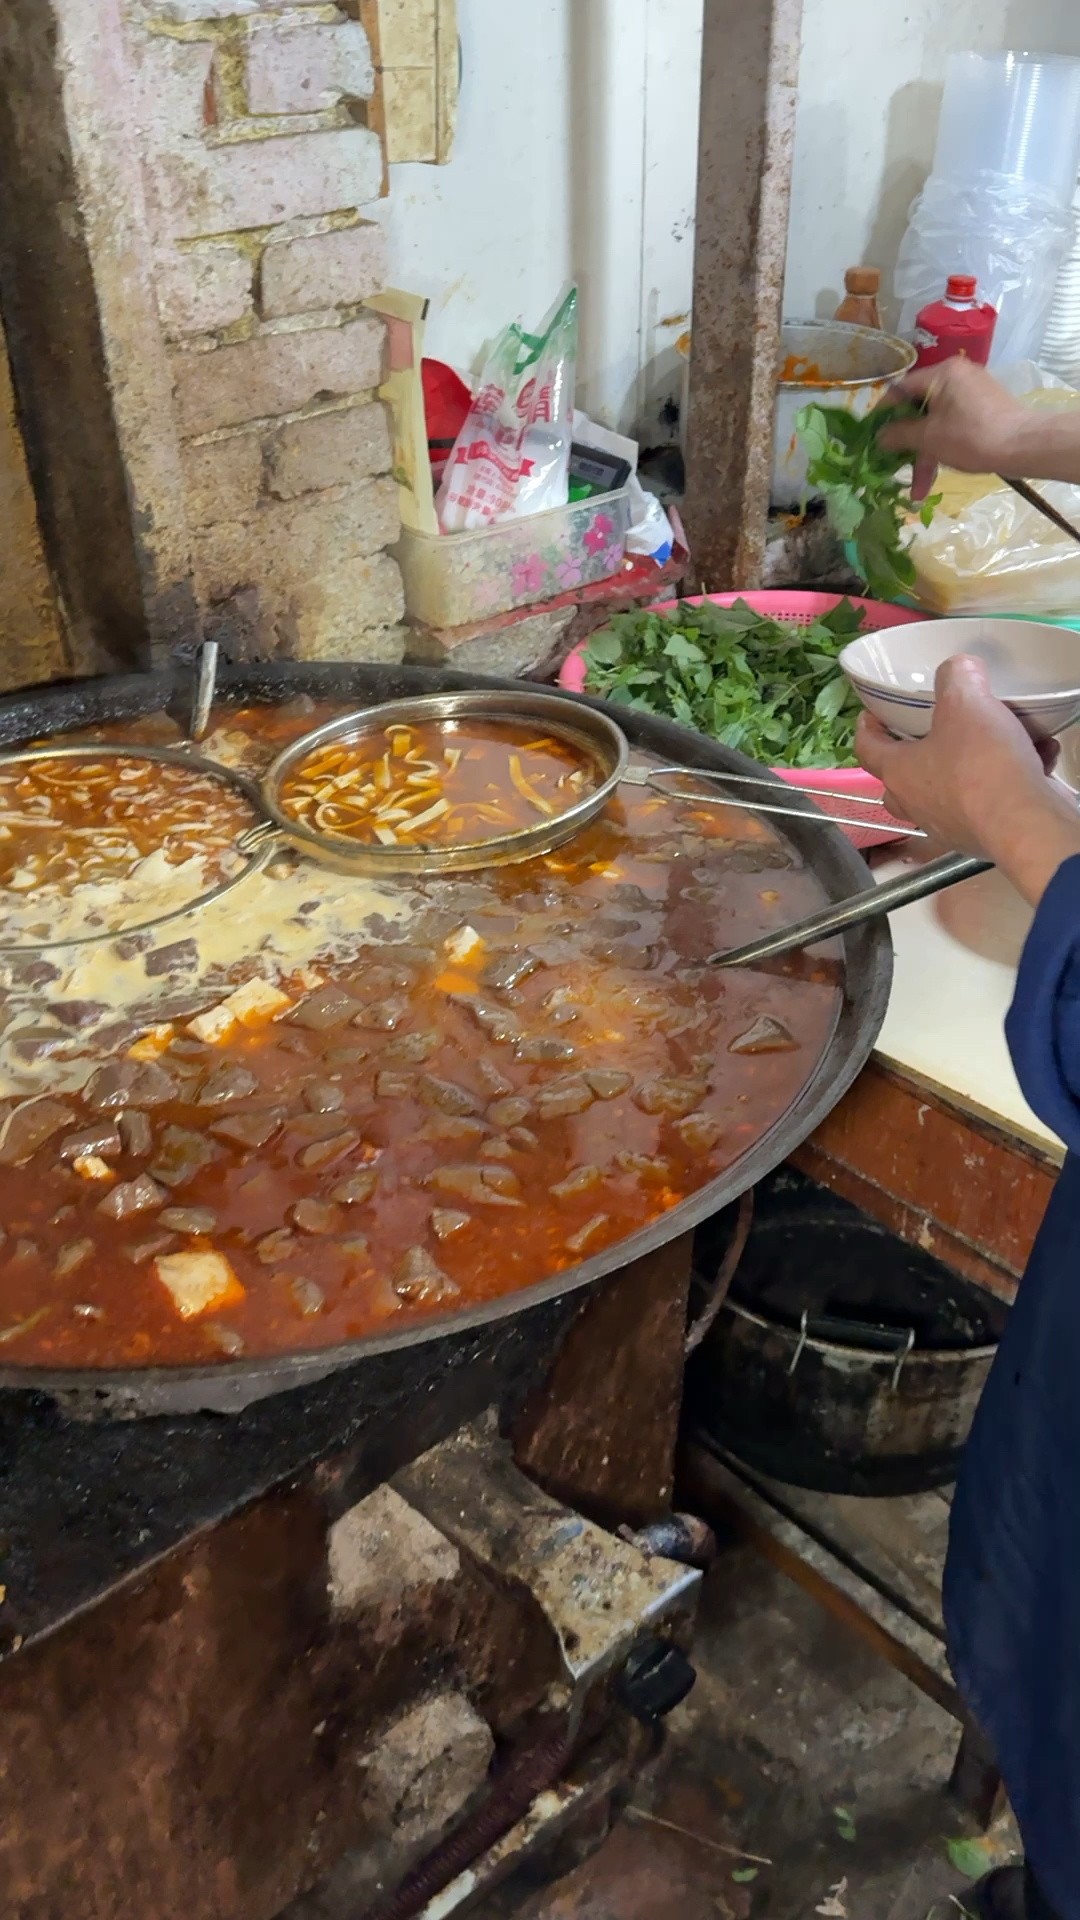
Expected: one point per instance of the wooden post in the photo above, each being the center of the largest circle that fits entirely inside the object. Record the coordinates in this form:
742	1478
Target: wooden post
749	83
600	1433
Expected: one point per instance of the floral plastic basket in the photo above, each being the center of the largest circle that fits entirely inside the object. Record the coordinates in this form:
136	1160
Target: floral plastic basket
452	579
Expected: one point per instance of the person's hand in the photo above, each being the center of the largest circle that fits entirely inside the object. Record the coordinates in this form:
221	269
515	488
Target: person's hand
970	423
974	773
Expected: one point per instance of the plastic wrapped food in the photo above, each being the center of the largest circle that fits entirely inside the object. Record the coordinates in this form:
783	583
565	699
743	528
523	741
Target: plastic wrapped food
986	550
512	456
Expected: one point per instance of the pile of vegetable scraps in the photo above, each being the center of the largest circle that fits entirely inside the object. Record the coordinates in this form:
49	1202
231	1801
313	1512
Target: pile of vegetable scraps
867	501
769	688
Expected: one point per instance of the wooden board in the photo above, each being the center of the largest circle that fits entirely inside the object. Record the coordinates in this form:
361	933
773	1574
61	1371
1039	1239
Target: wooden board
725	1498
897	1545
943	1179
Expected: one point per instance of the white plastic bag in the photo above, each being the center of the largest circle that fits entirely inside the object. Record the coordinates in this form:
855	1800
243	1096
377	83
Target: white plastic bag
1010	234
986	551
512	456
651	531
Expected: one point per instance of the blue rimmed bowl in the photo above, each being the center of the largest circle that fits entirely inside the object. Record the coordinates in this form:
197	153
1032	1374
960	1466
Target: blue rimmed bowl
1034	668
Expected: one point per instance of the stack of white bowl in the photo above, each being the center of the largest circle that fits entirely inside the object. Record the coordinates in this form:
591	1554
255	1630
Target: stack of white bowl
1061	343
1034	668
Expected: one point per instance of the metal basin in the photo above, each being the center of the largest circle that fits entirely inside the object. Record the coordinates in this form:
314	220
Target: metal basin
867	952
593	735
857	366
844	1359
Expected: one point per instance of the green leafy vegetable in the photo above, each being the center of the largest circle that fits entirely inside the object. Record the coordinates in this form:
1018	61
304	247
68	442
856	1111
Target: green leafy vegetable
969	1857
866	501
772	689
743	1875
845	1824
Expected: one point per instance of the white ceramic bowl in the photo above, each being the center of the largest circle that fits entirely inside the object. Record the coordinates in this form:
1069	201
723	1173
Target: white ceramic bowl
1034	669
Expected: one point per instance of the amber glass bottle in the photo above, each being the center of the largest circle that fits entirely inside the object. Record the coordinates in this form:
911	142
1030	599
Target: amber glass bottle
860	302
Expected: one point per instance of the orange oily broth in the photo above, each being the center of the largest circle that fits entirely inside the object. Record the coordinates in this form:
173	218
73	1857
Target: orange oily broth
618	921
66	823
441	783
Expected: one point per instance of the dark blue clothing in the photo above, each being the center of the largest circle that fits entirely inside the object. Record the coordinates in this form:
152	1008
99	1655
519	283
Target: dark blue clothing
1012	1583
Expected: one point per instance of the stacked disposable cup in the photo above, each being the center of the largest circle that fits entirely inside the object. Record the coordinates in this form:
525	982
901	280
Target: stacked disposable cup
1011	113
999	201
1061	343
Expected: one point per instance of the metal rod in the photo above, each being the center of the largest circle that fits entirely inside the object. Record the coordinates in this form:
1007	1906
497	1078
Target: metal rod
649	776
644	777
1042	506
796	813
205	684
932	878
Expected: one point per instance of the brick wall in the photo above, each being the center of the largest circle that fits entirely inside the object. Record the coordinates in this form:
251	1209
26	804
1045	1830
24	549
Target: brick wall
256	156
217	154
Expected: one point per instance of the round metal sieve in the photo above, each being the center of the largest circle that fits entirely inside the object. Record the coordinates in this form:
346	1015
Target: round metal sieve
598	742
253	848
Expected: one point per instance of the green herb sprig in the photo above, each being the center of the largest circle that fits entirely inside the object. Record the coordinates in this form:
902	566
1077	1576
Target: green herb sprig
866	502
769	688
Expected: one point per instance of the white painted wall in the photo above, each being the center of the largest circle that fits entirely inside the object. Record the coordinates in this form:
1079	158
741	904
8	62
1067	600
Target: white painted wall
870	86
575	157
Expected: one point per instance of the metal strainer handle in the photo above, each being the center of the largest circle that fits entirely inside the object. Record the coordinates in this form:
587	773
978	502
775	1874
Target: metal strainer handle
873	818
937	874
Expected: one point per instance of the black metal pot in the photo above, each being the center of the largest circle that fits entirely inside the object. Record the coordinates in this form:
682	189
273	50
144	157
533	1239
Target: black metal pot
844	1359
867	952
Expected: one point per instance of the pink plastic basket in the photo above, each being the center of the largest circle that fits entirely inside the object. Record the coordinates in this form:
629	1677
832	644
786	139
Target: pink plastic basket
800	609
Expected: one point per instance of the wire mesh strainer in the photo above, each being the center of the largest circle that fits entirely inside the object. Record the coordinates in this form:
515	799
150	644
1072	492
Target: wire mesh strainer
253	854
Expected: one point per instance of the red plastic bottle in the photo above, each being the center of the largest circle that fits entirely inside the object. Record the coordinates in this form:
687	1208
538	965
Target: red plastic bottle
955	325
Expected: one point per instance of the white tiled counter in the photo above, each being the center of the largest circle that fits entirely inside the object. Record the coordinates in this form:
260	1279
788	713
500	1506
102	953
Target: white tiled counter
955	970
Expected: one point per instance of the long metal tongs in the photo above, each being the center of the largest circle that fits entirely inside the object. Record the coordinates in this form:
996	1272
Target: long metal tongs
869	819
936	875
1041	505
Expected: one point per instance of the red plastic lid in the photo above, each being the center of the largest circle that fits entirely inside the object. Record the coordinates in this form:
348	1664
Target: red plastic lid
961	286
446	401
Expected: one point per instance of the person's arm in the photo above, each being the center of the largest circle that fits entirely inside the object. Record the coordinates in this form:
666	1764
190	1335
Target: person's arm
978	784
971	423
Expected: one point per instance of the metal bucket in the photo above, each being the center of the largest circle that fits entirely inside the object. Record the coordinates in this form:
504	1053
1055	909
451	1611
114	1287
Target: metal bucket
856	365
844	1359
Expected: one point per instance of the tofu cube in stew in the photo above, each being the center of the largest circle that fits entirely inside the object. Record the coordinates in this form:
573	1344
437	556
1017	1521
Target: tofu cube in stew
256	1002
213	1026
198	1281
252	1005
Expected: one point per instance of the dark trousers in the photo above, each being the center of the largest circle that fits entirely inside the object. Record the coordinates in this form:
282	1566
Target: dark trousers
1036	1905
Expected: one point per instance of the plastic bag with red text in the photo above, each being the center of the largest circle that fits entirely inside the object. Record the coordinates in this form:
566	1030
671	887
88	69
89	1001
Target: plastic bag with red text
512	456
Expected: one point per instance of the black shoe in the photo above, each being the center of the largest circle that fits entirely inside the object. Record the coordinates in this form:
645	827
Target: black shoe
997	1896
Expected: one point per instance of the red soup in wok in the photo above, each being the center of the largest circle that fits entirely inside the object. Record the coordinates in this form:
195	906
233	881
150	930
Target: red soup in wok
327	1107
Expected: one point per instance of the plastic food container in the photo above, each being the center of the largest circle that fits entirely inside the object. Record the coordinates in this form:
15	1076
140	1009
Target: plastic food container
454	578
800	609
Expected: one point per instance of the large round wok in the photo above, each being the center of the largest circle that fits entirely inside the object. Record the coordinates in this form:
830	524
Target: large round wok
231	1385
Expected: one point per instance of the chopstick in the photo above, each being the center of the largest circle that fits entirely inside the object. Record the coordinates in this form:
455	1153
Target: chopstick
1042	506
